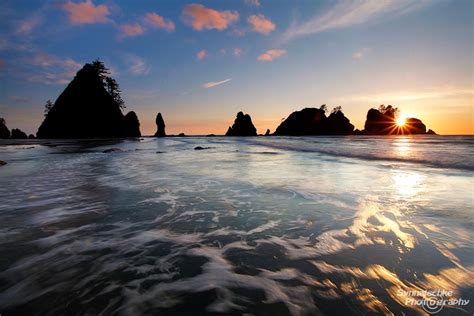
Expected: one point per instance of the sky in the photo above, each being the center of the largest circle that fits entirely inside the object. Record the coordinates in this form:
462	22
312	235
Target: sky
200	62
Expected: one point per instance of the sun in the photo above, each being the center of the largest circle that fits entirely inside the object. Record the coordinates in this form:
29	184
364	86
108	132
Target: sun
401	121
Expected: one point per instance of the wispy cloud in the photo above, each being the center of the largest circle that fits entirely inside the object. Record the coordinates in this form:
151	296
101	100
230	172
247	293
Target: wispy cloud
201	54
53	69
237	51
211	84
272	54
200	17
361	53
86	12
261	24
25	27
347	13
158	21
136	65
255	3
131	30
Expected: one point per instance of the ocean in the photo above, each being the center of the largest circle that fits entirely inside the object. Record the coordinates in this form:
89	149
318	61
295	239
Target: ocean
245	226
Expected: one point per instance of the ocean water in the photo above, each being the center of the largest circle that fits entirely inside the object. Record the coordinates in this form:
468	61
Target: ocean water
246	226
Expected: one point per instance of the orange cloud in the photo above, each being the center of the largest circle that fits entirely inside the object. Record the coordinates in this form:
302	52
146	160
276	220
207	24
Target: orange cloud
130	30
237	51
201	54
261	24
201	17
158	21
86	12
272	54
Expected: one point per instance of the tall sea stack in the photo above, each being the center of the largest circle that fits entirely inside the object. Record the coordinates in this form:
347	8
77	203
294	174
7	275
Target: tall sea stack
243	126
4	131
89	107
160	126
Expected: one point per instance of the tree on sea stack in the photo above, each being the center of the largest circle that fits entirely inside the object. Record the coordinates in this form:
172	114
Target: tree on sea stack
90	107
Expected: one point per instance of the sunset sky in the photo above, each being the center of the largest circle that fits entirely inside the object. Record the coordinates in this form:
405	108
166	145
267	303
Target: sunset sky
199	63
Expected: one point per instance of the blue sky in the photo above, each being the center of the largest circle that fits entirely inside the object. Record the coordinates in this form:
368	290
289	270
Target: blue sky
199	63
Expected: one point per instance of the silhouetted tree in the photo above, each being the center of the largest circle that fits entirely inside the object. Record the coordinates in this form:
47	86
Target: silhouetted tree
323	108
389	110
109	83
47	107
336	110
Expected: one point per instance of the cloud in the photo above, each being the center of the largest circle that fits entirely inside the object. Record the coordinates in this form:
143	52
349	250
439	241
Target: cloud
130	30
208	85
431	93
201	54
159	22
361	53
261	24
272	54
255	3
53	69
201	17
237	51
347	13
26	26
86	12
137	66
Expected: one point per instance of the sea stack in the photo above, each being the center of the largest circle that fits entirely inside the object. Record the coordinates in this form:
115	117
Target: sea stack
313	121
4	131
89	107
160	126
383	121
132	125
18	134
243	126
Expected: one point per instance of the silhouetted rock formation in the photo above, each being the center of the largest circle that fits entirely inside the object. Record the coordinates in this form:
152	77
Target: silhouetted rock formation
4	131
18	134
313	121
31	136
243	126
132	125
383	121
89	107
2	163
181	135
160	126
267	133
431	132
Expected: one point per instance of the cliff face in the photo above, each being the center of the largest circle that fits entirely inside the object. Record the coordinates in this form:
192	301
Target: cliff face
242	126
160	126
313	121
18	134
85	109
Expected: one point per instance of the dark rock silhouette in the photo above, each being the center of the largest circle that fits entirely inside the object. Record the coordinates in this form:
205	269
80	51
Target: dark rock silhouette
431	132
4	131
160	126
267	133
313	121
181	135
31	136
243	126
89	107
112	150
211	135
132	125
2	163
382	121
18	134
201	148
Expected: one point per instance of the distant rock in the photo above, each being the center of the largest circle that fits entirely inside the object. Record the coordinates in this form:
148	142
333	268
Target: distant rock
267	133
2	163
243	126
89	107
4	131
132	125
18	134
160	126
201	148
181	135
383	121
31	136
211	135
431	132
313	121
113	150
